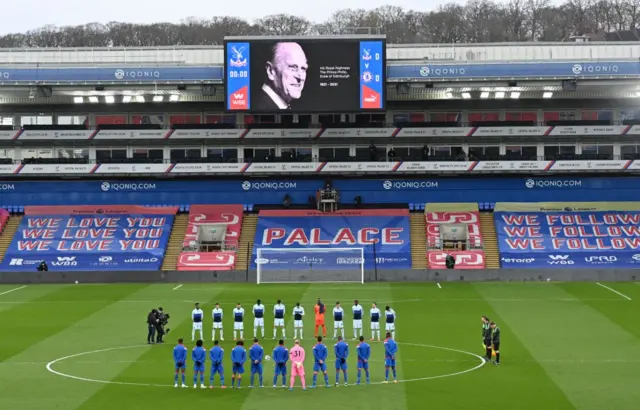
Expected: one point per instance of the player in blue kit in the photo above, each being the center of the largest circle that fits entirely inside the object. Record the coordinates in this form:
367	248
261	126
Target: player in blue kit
390	350
320	353
238	357
256	355
364	353
280	357
216	354
198	355
180	360
341	350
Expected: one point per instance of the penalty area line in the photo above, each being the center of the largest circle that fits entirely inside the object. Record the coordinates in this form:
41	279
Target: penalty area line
178	287
613	290
13	290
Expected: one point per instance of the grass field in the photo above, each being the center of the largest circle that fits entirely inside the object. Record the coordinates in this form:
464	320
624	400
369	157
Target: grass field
564	346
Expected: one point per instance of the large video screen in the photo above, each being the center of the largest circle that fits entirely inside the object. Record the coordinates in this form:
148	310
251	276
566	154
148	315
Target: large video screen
270	75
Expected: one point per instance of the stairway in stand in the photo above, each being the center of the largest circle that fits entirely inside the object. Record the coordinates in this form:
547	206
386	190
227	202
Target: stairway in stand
176	240
8	232
245	245
490	241
418	241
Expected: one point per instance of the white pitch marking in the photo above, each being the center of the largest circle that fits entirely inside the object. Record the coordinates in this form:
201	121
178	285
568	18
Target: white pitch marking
439	286
177	287
13	290
613	290
49	366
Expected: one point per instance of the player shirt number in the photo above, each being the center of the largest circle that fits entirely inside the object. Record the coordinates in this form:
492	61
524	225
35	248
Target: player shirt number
296	354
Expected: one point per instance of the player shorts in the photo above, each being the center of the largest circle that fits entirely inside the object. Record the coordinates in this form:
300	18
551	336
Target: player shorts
297	324
341	364
319	322
183	366
496	347
357	324
363	365
238	326
297	371
338	325
317	367
390	327
217	368
197	368
281	369
375	325
197	325
389	362
238	368
278	322
486	343
258	322
217	325
256	368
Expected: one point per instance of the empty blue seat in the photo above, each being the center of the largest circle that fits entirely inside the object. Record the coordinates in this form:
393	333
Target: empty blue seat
250	208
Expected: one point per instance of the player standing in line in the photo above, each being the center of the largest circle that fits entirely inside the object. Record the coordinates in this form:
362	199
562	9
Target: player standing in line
357	319
486	338
495	340
298	314
319	310
217	322
338	320
180	360
390	350
198	355
374	313
216	354
278	321
238	357
341	350
256	355
297	365
364	353
390	326
280	357
238	321
258	318
320	353
196	316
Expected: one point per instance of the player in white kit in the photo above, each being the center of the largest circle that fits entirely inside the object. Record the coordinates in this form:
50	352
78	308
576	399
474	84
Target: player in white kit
374	315
357	319
338	320
196	316
278	319
390	325
258	318
298	314
238	321
217	322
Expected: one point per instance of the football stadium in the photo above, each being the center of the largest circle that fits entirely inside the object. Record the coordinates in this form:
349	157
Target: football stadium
435	199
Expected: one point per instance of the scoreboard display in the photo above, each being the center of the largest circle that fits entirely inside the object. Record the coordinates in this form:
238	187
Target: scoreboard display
308	74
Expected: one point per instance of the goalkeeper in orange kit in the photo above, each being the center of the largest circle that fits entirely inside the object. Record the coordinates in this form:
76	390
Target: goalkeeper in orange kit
320	309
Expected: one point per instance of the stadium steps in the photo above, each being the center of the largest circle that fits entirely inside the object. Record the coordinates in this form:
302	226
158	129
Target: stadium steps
8	232
418	241
174	247
245	246
490	240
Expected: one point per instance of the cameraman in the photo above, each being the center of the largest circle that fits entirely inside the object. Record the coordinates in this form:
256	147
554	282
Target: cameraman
43	267
450	262
152	322
163	320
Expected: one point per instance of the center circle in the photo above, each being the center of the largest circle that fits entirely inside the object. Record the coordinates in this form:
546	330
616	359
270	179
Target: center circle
50	368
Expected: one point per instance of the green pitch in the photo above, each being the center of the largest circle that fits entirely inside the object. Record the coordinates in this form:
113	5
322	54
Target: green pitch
564	346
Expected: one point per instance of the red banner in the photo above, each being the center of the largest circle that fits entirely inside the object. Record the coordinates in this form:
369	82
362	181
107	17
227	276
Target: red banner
464	259
100	209
229	215
206	261
470	219
350	212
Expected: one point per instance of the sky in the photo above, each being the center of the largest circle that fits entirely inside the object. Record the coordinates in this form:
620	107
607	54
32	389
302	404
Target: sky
24	15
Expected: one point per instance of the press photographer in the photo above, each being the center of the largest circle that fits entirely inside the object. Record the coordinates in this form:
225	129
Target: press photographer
163	321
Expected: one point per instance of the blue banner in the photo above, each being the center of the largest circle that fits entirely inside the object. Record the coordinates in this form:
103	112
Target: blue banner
529	70
571	260
116	75
309	259
383	234
90	242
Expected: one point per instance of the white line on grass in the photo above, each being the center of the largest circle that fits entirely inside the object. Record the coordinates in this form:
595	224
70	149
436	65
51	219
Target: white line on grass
13	290
177	287
613	290
439	286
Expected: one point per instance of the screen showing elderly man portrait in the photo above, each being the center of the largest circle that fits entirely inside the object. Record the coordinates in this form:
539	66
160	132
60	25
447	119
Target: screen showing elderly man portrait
286	74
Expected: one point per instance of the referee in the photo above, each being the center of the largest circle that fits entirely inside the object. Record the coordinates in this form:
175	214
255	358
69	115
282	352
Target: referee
152	322
486	337
495	340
